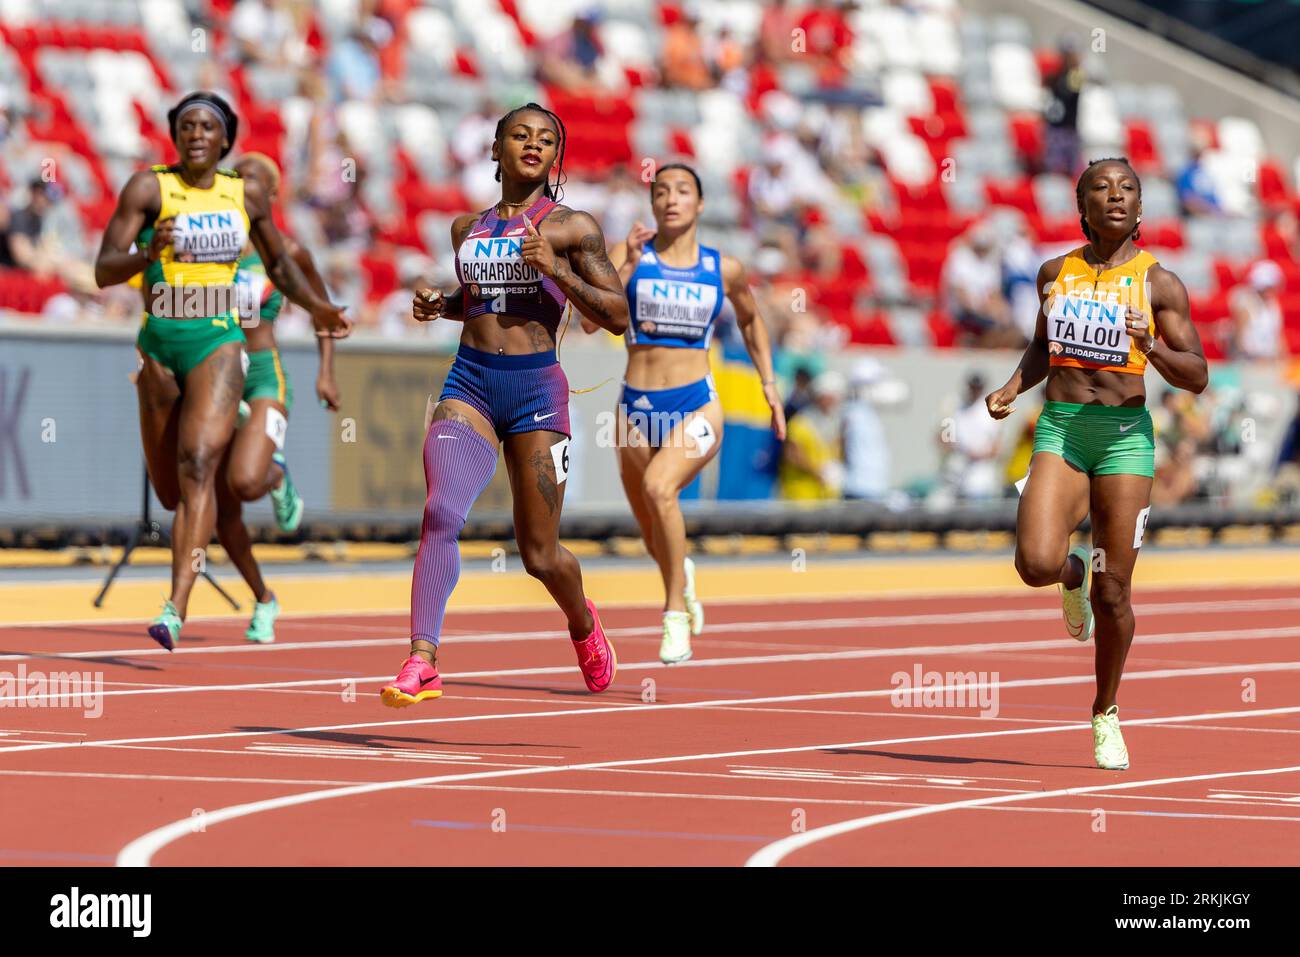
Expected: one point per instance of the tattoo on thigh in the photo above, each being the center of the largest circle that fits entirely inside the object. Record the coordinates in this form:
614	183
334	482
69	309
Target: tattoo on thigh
443	413
544	468
227	379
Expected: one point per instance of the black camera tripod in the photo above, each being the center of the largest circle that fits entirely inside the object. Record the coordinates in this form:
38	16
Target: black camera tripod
148	532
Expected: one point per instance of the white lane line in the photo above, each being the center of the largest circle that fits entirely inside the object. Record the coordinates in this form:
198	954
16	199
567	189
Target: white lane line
579	792
851	655
962	594
814	624
707	703
140	852
774	853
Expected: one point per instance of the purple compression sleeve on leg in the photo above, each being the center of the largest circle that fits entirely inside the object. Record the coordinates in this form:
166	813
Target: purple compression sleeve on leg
458	464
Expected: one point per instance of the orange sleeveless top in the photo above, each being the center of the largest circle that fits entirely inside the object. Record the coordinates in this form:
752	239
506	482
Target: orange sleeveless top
1085	318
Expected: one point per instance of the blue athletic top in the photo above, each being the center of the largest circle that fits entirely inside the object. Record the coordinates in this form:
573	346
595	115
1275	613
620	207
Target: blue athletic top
675	307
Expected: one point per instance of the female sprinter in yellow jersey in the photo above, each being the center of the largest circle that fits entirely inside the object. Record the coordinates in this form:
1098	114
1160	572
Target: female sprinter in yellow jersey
1107	311
185	227
669	415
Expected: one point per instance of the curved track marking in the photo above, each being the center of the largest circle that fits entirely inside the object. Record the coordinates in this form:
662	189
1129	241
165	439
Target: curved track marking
140	852
772	854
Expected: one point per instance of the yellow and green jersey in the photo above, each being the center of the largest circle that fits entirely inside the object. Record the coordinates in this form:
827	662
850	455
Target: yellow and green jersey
209	235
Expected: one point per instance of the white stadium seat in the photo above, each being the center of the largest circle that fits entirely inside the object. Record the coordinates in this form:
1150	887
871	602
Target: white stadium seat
907	92
1016	82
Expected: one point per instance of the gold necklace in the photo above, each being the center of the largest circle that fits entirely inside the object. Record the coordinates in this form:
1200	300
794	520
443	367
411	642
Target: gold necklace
512	205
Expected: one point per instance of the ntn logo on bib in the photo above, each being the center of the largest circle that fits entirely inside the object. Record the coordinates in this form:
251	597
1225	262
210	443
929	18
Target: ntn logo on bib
676	307
209	237
1089	330
494	262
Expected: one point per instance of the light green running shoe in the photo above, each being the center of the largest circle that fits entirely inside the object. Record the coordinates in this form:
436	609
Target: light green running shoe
693	606
676	646
1075	604
285	500
262	628
245	410
166	628
1107	742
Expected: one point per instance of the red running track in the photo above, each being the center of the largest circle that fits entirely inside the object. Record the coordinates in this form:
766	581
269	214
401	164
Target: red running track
782	727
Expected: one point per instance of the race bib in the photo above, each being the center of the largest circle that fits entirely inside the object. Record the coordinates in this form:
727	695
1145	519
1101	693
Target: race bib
670	307
208	237
1087	329
250	289
560	456
494	266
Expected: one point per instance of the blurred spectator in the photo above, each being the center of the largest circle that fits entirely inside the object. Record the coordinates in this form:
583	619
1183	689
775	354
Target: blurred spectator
353	66
1256	309
1175	478
825	31
627	200
866	452
726	58
568	59
20	240
1022	451
972	285
6	109
393	316
684	64
262	30
1196	191
812	460
776	36
1061	113
800	392
1020	261
772	186
39	238
971	440
1178	417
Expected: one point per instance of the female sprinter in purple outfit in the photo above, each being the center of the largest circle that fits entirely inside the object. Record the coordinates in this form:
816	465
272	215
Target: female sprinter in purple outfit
517	263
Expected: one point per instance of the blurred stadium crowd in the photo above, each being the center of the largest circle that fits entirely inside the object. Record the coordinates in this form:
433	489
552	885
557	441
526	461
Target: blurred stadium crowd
893	172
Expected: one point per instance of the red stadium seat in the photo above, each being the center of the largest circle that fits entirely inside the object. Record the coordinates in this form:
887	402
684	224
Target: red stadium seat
943	331
1272	185
1027	136
1142	152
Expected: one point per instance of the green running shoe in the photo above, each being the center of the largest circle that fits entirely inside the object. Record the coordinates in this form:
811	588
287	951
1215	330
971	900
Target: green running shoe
166	628
262	628
285	500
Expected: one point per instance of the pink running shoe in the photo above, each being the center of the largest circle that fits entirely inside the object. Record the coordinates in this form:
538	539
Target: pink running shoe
596	656
417	681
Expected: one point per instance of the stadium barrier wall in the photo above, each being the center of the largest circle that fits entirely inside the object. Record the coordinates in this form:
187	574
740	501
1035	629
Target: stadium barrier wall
70	456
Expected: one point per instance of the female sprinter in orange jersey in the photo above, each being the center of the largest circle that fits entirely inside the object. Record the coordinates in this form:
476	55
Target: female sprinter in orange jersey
1107	310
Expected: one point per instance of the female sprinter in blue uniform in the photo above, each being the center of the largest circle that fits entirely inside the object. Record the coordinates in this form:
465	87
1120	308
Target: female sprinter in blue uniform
1107	311
185	227
669	416
517	263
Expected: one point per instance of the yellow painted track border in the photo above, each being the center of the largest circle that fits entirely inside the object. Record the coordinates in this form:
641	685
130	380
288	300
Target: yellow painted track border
357	591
